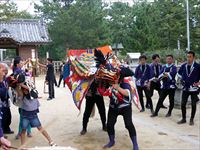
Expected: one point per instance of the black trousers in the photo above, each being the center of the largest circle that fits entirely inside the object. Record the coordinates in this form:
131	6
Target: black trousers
6	119
194	99
155	86
51	89
55	82
60	79
126	112
164	93
147	94
90	101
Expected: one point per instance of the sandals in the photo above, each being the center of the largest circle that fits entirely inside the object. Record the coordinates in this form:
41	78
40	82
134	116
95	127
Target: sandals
52	144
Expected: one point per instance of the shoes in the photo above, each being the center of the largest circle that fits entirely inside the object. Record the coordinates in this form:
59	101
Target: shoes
29	135
154	115
49	99
168	115
52	144
191	122
152	111
17	136
9	132
142	110
83	132
111	142
182	121
104	128
147	107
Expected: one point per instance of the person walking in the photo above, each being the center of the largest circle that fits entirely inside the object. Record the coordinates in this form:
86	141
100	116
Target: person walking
168	85
61	70
190	77
143	76
93	97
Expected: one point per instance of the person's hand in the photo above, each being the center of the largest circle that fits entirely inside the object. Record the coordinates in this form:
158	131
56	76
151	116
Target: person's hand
166	75
5	144
197	84
115	86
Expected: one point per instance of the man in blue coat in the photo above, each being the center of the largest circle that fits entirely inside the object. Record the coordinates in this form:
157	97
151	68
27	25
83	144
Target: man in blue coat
143	76
6	112
156	67
190	77
168	85
5	144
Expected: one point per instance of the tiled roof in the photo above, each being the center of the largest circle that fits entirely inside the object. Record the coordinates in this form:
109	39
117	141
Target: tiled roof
24	31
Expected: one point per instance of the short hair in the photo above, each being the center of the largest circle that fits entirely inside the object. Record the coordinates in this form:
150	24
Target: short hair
154	56
1	66
4	65
143	57
16	61
49	59
191	52
170	55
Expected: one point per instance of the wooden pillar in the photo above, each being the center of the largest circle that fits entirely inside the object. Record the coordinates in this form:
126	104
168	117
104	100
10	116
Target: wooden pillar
17	51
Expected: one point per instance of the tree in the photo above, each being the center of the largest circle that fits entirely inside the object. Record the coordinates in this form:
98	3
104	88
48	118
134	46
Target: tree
195	25
144	26
82	25
9	10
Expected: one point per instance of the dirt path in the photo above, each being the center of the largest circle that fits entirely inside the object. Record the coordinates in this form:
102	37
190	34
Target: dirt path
61	120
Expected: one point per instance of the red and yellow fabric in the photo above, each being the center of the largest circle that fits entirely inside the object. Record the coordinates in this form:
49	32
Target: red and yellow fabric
82	69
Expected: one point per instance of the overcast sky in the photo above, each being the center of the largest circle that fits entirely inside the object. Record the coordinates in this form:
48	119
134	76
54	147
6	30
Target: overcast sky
28	5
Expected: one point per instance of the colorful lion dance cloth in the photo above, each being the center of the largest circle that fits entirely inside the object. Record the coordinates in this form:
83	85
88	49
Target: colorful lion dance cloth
86	65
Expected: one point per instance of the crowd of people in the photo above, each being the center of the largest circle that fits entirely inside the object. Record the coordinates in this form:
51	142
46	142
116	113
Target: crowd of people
155	76
24	97
148	77
163	79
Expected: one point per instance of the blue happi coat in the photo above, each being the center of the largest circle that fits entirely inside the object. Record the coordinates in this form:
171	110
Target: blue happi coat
142	75
168	82
189	75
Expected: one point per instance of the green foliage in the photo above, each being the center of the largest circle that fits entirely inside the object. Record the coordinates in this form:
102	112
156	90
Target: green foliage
8	10
146	27
81	25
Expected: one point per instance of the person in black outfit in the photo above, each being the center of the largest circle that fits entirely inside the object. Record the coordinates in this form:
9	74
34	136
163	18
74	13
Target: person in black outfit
50	78
143	76
6	117
120	104
155	82
168	85
61	69
93	97
5	144
190	76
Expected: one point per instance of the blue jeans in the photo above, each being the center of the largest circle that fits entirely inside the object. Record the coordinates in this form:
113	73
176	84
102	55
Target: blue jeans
33	121
20	124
